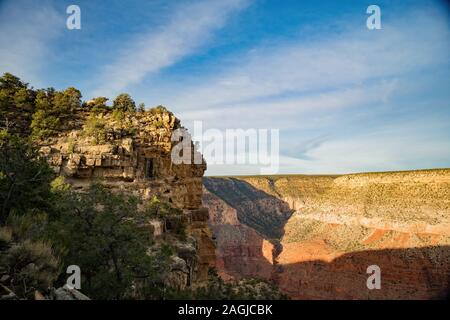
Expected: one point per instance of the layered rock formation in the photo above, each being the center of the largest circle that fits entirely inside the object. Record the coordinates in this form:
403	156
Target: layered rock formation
241	250
399	221
131	152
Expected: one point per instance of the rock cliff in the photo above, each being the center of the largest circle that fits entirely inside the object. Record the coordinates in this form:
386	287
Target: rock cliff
131	152
339	226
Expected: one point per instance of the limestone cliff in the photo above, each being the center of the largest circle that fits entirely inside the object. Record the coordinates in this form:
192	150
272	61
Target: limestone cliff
131	152
340	225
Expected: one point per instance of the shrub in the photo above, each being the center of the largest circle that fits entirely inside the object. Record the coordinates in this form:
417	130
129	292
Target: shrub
95	128
159	109
29	266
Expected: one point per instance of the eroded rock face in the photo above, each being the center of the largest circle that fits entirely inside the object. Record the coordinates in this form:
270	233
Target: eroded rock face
241	251
343	224
268	213
133	154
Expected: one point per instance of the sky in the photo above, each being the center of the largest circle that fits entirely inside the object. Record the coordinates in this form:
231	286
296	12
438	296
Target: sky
344	98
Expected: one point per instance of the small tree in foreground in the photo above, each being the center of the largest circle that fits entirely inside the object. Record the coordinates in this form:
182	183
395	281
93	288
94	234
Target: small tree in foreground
102	233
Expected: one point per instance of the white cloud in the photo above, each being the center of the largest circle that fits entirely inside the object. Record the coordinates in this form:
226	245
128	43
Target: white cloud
27	28
306	87
410	42
290	112
190	27
407	146
411	145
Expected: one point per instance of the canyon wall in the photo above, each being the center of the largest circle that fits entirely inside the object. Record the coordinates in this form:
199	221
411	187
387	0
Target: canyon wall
328	229
131	152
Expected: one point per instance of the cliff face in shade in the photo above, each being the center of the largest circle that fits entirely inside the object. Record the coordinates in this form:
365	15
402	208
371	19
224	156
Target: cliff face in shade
133	155
340	225
241	251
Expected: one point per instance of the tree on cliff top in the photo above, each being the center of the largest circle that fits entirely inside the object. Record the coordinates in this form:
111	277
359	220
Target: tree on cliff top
141	107
10	82
67	101
124	102
52	108
97	104
16	104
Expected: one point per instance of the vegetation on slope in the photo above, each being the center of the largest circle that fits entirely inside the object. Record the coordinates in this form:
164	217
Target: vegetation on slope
45	226
405	196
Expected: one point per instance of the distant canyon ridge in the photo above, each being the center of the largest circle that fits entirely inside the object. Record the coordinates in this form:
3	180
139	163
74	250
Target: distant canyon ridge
315	236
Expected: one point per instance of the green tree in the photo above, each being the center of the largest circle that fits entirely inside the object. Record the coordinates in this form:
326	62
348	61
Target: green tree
24	178
53	108
16	104
101	232
64	102
11	82
24	100
141	107
98	104
43	100
46	120
124	102
44	125
122	124
95	127
73	97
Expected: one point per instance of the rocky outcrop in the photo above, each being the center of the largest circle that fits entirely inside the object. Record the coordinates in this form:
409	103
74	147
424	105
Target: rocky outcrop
131	152
343	224
66	293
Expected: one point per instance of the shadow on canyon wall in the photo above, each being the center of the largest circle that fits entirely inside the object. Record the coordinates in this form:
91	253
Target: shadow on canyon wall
252	249
247	224
255	208
411	273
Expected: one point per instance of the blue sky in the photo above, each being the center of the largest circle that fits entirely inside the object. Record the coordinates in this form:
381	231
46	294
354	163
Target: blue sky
345	98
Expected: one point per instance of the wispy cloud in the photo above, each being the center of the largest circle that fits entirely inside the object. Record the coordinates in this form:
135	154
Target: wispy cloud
413	41
403	146
417	144
318	92
291	113
27	28
190	27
